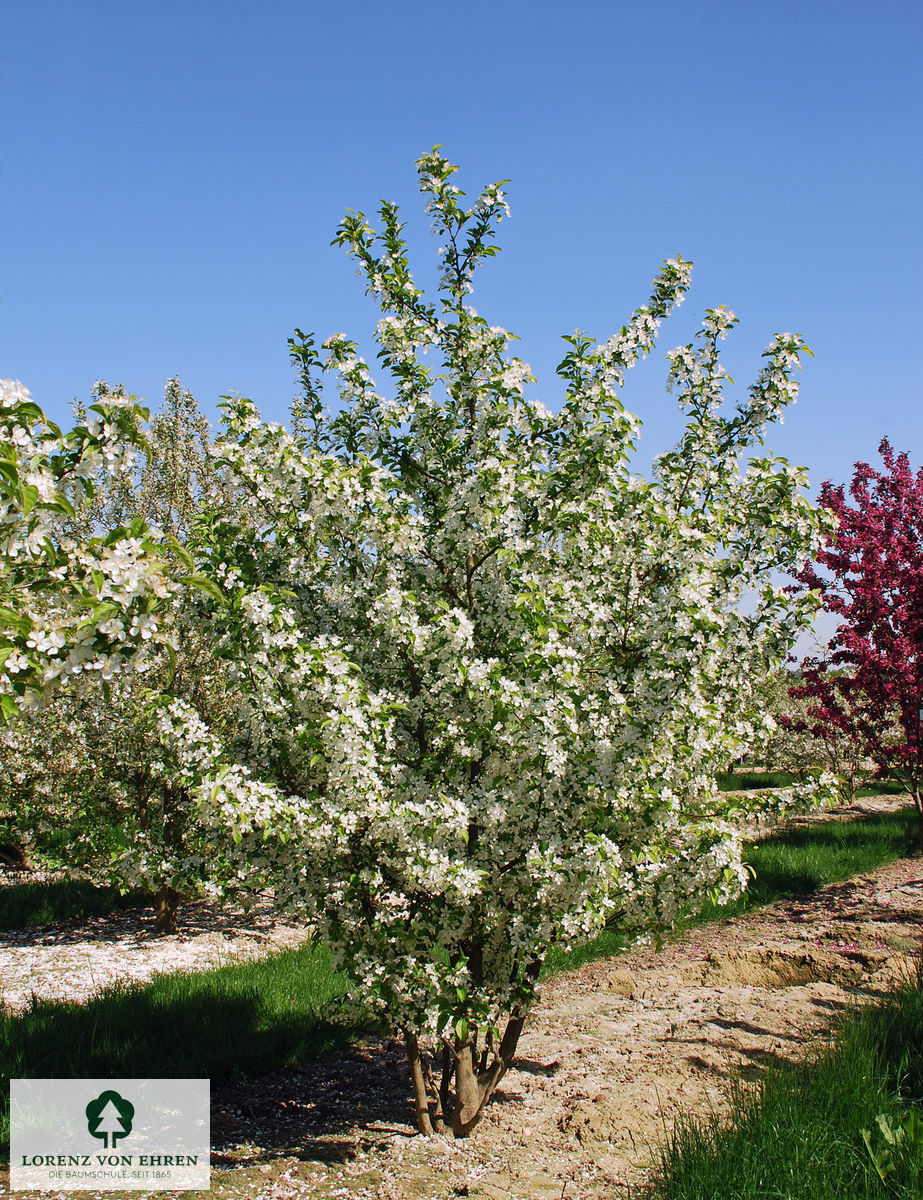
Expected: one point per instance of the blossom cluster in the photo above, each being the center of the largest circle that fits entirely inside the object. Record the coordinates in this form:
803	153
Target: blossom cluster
71	608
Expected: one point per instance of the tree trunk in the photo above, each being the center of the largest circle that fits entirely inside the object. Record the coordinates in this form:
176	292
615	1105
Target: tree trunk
13	856
420	1099
473	1086
918	801
165	906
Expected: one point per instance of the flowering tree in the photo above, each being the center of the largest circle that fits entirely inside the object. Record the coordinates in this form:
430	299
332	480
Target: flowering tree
805	744
82	776
868	684
485	674
790	746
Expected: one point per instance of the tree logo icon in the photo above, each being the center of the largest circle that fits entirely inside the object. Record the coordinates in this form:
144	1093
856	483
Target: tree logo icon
109	1117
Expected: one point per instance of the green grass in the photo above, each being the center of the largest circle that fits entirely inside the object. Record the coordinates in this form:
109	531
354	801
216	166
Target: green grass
606	944
748	780
26	904
799	860
243	1019
799	1136
793	862
745	781
883	787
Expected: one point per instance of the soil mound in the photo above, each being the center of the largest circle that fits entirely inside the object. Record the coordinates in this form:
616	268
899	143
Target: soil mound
768	967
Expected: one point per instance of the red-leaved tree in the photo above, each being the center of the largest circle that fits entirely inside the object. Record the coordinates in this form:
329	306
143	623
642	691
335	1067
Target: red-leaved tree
868	685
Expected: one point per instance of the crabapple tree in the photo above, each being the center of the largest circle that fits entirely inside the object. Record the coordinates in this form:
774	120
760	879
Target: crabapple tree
868	683
70	608
485	672
806	745
81	768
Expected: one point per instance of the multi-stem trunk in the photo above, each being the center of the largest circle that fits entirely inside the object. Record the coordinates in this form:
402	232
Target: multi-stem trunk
468	1078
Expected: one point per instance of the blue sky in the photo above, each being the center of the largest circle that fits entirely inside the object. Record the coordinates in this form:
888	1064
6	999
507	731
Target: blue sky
172	176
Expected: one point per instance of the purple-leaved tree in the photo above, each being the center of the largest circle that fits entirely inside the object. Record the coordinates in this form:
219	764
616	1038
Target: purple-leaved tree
869	682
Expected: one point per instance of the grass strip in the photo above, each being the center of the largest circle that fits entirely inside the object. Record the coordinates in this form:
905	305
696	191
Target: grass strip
847	1125
23	905
746	781
795	861
242	1019
753	780
800	859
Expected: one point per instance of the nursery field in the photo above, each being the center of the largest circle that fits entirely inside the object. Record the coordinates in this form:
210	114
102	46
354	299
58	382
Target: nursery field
493	779
435	665
616	1050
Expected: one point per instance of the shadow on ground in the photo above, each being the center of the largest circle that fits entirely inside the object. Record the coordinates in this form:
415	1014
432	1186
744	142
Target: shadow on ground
326	1111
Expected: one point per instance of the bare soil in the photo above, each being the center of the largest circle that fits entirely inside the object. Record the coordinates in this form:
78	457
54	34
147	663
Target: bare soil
611	1055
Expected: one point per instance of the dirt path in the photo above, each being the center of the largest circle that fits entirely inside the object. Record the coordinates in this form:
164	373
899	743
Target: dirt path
611	1053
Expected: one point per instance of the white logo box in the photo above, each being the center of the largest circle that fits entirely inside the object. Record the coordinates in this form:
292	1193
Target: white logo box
106	1135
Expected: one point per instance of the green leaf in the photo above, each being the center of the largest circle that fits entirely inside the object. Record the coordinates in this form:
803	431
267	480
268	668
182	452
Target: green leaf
204	584
884	1124
180	551
29	413
60	504
28	497
102	611
15	620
